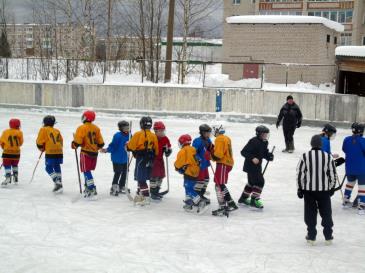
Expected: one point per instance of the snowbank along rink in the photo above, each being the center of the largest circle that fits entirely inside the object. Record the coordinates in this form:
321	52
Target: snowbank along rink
315	106
41	232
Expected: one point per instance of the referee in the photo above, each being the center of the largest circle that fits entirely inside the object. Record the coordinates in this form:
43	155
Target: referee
316	180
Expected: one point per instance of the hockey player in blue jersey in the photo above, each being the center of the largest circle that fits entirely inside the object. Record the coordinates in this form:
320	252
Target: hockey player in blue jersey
119	157
354	149
328	134
203	146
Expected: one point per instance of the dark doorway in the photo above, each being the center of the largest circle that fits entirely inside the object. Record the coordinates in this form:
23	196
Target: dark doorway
351	83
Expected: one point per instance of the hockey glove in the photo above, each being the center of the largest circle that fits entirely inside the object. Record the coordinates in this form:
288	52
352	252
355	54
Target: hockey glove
332	192
300	193
277	124
167	151
270	157
299	124
339	161
74	145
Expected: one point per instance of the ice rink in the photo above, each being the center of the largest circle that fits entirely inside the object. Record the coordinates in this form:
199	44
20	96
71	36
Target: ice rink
45	233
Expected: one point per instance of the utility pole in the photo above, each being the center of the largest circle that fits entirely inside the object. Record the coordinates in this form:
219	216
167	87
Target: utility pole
170	39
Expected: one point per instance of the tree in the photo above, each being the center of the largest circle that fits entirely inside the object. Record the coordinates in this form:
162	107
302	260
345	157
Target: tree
5	50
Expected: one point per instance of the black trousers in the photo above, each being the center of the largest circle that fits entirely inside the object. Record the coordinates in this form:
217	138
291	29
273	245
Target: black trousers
256	179
289	133
314	202
120	174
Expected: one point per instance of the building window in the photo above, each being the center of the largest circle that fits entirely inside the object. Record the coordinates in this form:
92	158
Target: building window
236	2
346	39
335	40
328	38
363	40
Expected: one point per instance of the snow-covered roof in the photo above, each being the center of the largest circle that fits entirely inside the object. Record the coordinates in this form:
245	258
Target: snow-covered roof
352	51
284	19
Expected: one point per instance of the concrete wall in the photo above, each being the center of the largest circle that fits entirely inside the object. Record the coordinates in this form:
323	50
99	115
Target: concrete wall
332	107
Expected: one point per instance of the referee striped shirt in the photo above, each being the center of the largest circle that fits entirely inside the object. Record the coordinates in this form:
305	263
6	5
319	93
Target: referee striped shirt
316	171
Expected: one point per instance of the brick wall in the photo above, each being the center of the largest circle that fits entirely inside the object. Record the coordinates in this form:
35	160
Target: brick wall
282	43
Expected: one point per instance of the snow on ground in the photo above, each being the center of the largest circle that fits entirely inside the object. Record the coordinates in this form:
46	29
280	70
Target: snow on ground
41	232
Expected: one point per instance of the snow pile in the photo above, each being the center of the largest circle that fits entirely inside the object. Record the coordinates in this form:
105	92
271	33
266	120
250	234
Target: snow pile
284	19
353	51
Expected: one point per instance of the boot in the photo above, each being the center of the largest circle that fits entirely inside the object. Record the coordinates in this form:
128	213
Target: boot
286	148
6	181
244	200
291	147
58	187
222	211
114	190
257	203
232	206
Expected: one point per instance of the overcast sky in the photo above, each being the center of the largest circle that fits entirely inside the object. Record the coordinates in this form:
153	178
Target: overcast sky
21	9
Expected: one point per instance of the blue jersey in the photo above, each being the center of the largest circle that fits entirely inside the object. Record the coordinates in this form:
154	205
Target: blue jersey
354	148
202	147
326	145
117	148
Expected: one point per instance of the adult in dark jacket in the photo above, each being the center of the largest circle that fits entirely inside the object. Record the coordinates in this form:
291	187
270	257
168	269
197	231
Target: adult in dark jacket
254	152
292	118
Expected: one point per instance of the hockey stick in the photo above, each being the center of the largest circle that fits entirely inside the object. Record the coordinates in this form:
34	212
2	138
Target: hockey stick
267	163
167	178
78	170
35	168
127	189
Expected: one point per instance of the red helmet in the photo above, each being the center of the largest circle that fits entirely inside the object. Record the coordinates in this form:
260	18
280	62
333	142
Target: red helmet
158	125
184	140
14	123
88	116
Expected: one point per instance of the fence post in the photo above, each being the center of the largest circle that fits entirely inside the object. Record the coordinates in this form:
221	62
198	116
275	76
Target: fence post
67	70
218	100
104	71
262	75
27	69
204	73
286	75
7	69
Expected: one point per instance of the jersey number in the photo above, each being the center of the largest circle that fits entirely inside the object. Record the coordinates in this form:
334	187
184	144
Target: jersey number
92	138
55	139
13	139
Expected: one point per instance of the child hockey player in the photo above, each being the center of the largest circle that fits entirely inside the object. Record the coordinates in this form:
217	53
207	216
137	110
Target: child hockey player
316	180
89	138
119	157
50	141
354	149
187	164
11	140
144	146
254	151
329	133
222	154
203	146
158	169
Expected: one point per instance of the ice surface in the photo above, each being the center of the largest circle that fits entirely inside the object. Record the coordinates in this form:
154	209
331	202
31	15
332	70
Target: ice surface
41	232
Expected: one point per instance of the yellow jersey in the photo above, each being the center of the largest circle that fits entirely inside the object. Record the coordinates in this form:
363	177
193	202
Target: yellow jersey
143	140
11	140
50	140
223	150
89	137
187	162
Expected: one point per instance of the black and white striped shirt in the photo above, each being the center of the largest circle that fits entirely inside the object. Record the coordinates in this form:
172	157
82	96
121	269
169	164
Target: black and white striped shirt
316	171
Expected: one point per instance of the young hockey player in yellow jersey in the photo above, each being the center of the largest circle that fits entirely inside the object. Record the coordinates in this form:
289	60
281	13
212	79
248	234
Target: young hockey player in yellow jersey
50	141
89	138
11	140
144	146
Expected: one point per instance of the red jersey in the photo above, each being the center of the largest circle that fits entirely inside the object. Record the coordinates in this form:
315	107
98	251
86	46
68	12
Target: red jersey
158	170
